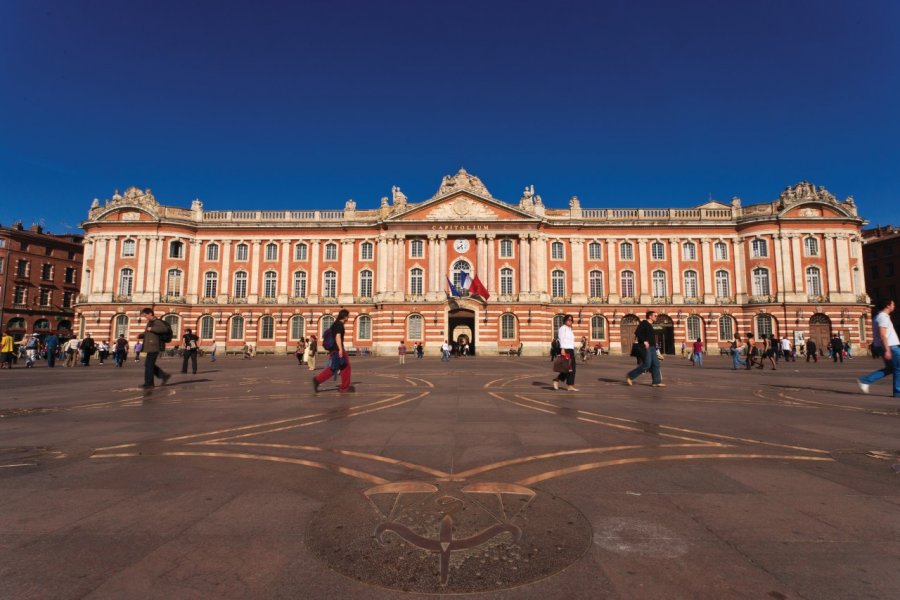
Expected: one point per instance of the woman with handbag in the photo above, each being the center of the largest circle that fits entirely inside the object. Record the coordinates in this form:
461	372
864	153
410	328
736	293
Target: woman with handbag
567	346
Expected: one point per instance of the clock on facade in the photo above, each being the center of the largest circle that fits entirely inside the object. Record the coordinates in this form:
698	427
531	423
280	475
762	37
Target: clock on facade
461	246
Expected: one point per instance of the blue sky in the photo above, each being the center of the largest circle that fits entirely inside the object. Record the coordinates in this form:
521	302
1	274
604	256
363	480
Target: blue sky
276	104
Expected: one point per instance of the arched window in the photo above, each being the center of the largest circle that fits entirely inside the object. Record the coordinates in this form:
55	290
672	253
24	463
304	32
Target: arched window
207	327
595	251
173	283
691	288
330	251
507	327
558	321
241	252
726	328
267	328
364	327
126	282
557	251
811	246
689	251
365	283
271	251
300	252
414	327
558	283
506	248
813	281
595	283
210	284
723	284
761	282
759	248
720	250
300	284
764	326
416	279
416	249
41	324
366	251
627	281
240	285
18	323
460	269
657	251
327	322
212	252
626	251
598	327
175	323
128	248
506	282
176	249
270	284
329	284
694	328
660	287
121	326
237	327
298	327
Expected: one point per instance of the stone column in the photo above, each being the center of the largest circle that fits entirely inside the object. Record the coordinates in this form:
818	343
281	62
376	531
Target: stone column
576	246
539	283
524	265
226	275
644	273
442	258
110	285
139	285
193	271
831	265
284	277
675	259
345	293
382	267
709	292
844	270
480	255
151	287
87	282
779	276
254	271
612	277
399	267
799	281
314	276
740	267
491	275
432	275
101	246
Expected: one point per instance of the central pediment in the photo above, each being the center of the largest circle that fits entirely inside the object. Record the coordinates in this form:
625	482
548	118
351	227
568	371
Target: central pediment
462	206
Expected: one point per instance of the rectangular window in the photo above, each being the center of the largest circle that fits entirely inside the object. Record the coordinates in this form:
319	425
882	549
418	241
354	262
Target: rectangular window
506	249
212	252
626	251
330	251
300	252
44	297
416	249
22	268
47	272
366	251
20	295
70	275
241	252
721	250
67	300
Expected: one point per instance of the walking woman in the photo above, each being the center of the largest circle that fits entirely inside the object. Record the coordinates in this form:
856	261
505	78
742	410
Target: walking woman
567	346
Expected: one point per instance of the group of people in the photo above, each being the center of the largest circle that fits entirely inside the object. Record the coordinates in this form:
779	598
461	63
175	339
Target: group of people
306	352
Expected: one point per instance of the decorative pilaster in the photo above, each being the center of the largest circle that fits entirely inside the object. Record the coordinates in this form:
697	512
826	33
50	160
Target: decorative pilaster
612	278
226	276
675	257
740	271
254	272
100	255
345	293
576	247
644	272
709	295
844	273
525	266
828	248
799	280
491	276
442	260
314	279
433	284
193	271
139	284
381	271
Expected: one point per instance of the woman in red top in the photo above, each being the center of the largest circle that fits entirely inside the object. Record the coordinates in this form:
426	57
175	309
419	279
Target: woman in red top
698	353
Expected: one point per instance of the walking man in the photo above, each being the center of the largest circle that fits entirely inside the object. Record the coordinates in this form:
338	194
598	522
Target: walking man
88	347
445	351
71	351
837	349
812	351
212	351
646	340
51	343
189	350
121	350
698	353
337	356
153	344
887	345
736	360
401	352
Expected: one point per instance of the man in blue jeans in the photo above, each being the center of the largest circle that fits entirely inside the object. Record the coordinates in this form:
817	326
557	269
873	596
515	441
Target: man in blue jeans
887	344
646	338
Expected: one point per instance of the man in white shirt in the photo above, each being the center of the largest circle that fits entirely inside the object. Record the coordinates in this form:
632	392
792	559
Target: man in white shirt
786	349
886	344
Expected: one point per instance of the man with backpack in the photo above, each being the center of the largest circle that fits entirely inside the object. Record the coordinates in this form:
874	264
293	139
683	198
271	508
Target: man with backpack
155	337
333	342
189	350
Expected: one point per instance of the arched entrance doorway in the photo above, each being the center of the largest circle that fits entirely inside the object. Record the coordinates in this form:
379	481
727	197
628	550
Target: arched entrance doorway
461	324
665	333
627	327
820	330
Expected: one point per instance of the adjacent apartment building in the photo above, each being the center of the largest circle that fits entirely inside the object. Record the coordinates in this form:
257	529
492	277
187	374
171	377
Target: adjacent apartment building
39	280
790	266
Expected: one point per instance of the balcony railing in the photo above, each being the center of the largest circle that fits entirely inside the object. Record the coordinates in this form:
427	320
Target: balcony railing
329	300
761	299
208	300
561	300
628	300
814	298
121	298
363	300
725	300
508	298
598	300
693	300
271	300
237	299
298	300
414	298
167	299
662	300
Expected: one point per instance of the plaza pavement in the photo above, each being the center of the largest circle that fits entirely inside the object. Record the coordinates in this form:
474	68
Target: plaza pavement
472	476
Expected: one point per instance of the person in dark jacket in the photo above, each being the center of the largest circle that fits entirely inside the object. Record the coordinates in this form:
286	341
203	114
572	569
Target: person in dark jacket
88	347
812	351
646	339
837	349
189	349
152	346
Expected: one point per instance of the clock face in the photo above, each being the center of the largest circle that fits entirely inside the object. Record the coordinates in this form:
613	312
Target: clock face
461	245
